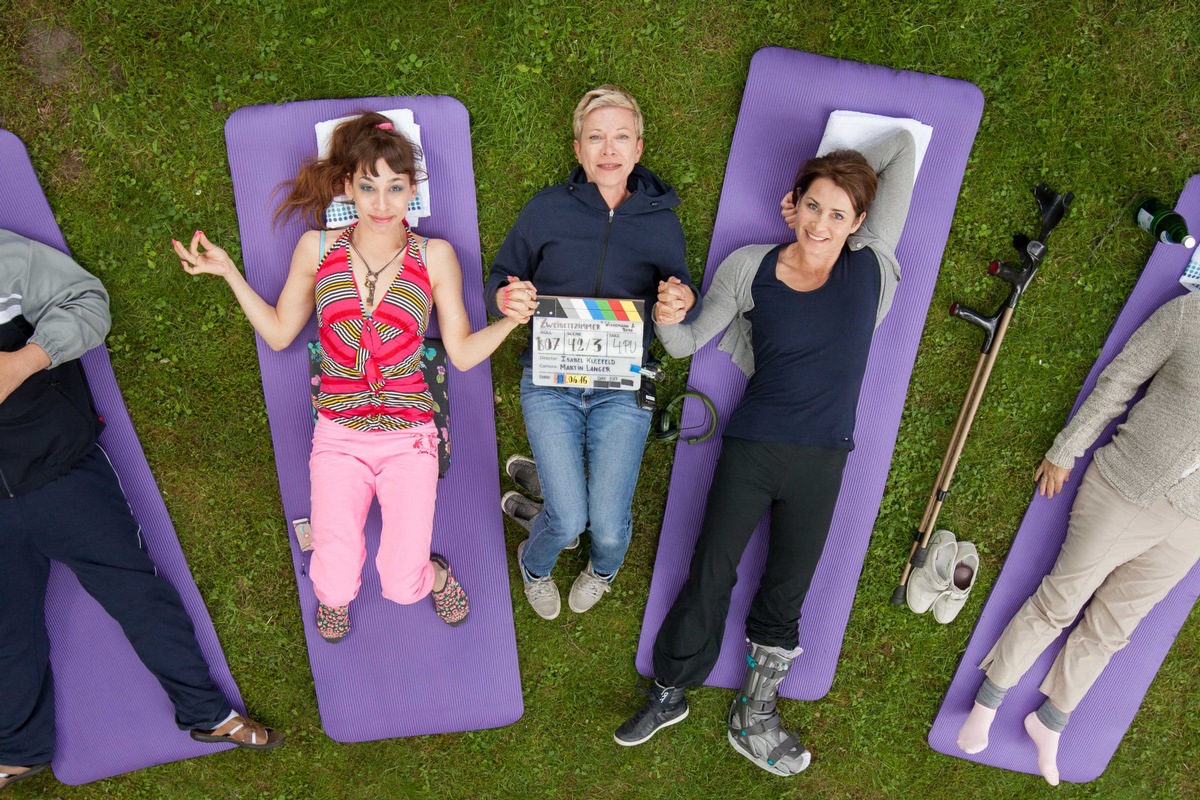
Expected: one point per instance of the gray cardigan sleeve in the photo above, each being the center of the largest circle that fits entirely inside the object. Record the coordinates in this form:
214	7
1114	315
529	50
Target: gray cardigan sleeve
1142	357
66	305
893	158
728	297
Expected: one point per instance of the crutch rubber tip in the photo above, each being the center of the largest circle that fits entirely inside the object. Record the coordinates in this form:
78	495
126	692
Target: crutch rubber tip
954	309
898	595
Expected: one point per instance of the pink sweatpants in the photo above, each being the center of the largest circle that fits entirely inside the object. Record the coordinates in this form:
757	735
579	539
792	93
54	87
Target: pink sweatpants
348	468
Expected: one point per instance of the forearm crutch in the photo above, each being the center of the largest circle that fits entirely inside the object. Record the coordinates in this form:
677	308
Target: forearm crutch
1053	207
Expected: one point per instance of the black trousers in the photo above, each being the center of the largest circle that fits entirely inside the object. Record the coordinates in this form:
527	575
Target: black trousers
83	521
799	485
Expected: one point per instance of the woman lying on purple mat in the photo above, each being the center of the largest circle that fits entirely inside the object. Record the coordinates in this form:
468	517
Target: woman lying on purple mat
1134	530
373	287
812	306
610	231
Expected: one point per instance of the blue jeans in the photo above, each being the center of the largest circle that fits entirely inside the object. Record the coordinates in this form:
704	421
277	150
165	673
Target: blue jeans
566	428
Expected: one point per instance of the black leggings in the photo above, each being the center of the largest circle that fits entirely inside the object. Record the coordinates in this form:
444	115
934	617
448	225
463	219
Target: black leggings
799	485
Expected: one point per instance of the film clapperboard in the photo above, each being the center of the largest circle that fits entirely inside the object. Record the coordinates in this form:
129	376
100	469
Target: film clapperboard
588	342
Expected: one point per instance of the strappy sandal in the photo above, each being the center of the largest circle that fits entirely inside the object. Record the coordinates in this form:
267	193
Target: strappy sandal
7	777
451	602
244	732
333	622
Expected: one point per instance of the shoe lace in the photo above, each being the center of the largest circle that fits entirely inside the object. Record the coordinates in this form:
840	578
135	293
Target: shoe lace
593	586
540	589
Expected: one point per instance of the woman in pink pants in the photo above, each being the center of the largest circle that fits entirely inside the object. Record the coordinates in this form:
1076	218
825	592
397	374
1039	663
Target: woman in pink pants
373	288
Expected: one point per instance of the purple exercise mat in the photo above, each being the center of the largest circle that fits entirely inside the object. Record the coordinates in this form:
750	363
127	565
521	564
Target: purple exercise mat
1100	721
401	671
111	714
789	96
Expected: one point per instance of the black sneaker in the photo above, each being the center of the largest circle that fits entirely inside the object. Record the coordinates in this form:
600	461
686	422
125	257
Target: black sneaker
665	705
523	471
520	508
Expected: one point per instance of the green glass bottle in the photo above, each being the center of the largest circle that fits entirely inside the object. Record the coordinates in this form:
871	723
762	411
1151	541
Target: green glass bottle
1163	223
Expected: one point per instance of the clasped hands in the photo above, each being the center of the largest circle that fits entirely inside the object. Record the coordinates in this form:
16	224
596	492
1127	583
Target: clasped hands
517	300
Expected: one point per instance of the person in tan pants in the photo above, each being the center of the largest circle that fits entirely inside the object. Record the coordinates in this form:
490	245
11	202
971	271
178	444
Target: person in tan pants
1134	530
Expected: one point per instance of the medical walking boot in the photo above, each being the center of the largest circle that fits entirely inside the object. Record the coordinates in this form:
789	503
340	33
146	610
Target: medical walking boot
754	727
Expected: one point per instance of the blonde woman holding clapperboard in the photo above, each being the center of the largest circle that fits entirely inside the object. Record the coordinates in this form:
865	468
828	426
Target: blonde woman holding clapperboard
373	288
610	231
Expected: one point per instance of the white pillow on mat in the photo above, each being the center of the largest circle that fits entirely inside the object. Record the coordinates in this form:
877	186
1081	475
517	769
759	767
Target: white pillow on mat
856	129
340	214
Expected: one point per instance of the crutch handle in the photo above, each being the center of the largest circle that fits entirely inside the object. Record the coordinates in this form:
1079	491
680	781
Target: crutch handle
986	324
1054	207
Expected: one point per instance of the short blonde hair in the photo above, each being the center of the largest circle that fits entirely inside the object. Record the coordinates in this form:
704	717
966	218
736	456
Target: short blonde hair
604	97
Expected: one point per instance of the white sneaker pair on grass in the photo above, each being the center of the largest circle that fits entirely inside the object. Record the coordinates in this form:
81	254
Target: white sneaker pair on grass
944	581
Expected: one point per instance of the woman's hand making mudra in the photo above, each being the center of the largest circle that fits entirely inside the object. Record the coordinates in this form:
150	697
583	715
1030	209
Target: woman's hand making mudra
213	261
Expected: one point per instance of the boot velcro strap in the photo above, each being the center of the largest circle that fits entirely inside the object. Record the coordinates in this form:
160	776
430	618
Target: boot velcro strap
787	746
771	723
767	672
757	706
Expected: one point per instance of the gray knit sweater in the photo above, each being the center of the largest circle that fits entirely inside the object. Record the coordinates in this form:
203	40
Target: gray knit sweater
1160	440
729	298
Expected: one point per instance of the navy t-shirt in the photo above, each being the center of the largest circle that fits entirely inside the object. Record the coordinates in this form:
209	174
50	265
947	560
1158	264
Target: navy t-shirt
810	353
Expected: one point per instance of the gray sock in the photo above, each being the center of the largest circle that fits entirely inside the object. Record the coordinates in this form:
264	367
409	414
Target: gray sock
1052	718
990	695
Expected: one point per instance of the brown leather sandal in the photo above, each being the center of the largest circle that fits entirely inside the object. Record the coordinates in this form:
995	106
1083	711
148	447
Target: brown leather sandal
244	732
9	775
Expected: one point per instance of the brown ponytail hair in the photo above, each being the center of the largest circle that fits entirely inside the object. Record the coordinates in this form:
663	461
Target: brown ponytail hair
357	144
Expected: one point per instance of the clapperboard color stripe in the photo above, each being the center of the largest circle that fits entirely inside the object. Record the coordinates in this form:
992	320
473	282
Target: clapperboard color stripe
590	308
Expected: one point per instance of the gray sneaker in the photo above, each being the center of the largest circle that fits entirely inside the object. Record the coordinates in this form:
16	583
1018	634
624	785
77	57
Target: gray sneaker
587	590
542	593
523	471
520	509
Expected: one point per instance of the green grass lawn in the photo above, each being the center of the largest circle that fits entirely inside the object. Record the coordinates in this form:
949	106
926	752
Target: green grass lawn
122	105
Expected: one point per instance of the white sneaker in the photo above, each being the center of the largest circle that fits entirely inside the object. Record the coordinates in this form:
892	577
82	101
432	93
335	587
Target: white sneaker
962	578
931	579
587	590
542	593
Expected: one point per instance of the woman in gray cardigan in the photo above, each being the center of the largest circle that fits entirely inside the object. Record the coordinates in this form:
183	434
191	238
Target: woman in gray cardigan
1134	530
813	306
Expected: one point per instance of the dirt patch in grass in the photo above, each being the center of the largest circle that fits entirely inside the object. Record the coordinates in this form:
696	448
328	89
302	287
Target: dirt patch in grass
71	167
50	53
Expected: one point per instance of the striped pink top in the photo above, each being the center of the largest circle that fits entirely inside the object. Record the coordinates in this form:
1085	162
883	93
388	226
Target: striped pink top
371	363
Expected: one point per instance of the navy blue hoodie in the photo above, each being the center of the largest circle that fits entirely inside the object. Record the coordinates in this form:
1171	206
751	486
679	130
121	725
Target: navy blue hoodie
567	242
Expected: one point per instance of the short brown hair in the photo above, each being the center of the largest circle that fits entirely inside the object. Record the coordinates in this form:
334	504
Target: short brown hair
603	97
847	169
357	145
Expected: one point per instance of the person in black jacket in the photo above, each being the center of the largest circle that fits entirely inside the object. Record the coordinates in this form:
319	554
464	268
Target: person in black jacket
61	500
610	232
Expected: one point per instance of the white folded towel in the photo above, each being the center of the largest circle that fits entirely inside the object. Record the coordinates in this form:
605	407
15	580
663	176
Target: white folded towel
855	129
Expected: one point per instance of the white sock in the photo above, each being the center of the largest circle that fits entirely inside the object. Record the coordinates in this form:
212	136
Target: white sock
973	735
1046	741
